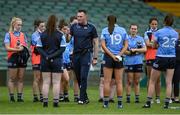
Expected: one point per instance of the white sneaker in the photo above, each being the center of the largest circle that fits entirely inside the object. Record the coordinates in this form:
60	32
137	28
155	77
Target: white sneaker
170	101
158	101
152	101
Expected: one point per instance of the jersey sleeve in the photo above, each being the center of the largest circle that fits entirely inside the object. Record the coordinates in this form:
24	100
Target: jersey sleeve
38	42
102	35
63	41
33	39
7	38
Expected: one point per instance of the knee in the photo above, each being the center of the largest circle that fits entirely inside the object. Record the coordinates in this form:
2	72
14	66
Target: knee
129	82
20	79
12	79
136	82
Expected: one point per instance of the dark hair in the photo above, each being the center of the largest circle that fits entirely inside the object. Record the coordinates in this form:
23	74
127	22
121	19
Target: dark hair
152	19
72	18
37	22
133	24
168	20
51	24
62	23
111	23
84	11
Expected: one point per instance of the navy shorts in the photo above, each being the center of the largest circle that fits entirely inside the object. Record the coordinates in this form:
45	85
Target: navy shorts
102	74
36	67
150	62
56	66
13	62
67	66
163	63
134	68
110	63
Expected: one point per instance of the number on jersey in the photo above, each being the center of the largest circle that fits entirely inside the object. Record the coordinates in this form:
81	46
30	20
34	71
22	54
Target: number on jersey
169	42
116	39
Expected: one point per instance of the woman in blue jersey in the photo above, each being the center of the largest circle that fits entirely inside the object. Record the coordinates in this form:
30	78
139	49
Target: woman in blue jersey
134	62
165	59
114	43
35	58
15	43
64	88
51	47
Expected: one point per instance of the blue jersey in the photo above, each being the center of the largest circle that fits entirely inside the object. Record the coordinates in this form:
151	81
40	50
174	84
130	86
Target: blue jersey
115	41
166	39
133	43
35	37
66	53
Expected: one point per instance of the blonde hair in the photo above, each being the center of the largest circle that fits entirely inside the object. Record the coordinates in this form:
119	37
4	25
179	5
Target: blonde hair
13	21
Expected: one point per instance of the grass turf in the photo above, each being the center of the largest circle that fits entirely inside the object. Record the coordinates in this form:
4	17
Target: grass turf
94	107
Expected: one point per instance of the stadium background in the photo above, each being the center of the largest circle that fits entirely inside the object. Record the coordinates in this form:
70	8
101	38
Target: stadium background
127	12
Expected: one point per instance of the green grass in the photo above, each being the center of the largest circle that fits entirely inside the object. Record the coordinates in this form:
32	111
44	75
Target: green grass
93	107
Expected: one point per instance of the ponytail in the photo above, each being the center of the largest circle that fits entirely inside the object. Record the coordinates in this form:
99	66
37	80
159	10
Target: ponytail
111	23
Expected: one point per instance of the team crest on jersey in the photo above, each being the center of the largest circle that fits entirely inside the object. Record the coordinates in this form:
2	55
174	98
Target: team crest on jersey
85	27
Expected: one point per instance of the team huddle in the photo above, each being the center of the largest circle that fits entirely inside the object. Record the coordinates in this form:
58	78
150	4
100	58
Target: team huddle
60	52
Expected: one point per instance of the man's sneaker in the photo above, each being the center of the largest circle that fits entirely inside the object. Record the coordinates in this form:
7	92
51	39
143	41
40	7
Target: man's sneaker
61	99
105	106
111	101
86	101
100	100
76	99
120	106
20	100
66	99
45	104
146	106
80	102
158	101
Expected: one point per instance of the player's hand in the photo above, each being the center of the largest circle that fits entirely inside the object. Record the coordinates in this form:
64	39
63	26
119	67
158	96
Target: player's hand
115	58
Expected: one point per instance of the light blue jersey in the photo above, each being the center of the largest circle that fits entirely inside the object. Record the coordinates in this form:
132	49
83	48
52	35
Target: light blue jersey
166	39
66	53
35	37
115	41
133	43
